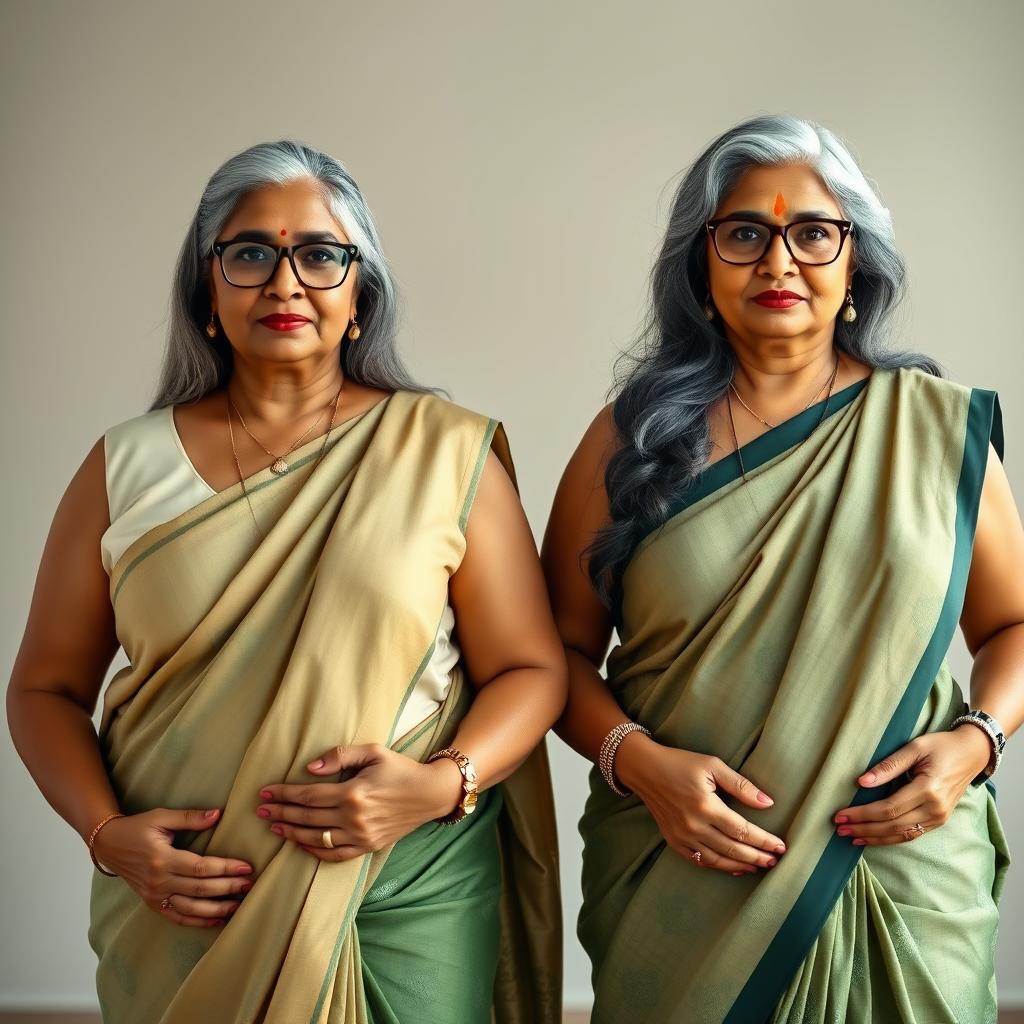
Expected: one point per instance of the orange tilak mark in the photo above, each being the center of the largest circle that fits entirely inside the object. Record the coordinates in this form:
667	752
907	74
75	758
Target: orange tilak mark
283	232
780	205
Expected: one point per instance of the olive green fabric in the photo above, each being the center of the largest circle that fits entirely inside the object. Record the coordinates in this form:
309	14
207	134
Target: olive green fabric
248	659
796	625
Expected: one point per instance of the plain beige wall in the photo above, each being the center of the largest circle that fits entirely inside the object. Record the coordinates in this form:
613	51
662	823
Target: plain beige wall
516	157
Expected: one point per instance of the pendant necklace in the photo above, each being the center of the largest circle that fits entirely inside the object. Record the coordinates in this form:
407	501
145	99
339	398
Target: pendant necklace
280	467
831	382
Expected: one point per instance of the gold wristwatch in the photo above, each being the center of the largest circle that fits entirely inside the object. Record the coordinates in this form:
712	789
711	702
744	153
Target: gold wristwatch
467	805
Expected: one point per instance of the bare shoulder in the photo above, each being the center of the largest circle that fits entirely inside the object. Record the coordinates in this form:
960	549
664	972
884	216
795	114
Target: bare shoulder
84	504
586	468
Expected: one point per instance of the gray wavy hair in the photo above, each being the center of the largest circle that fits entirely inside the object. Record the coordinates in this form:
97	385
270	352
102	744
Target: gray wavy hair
683	364
193	365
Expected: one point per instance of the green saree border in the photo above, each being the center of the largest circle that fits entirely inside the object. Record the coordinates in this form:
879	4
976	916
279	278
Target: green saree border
798	932
764	448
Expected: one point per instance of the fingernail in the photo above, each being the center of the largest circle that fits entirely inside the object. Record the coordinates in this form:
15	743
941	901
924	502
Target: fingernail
216	923
246	886
243	869
738	874
841	819
277	830
265	794
845	831
772	862
780	849
263	812
211	814
316	764
868	777
860	842
764	798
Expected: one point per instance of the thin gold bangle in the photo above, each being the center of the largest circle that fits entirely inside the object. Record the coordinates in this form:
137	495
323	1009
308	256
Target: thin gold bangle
92	839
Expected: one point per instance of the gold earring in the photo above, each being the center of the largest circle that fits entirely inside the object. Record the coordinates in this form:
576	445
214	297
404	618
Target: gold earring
353	331
211	328
849	313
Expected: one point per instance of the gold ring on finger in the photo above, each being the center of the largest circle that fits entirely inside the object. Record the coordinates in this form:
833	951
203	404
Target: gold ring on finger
325	838
695	856
913	832
165	903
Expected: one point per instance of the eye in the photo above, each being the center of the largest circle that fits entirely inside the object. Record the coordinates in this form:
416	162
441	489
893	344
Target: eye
746	233
320	256
250	254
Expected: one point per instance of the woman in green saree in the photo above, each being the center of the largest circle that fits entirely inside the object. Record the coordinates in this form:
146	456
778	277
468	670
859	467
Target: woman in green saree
788	819
311	799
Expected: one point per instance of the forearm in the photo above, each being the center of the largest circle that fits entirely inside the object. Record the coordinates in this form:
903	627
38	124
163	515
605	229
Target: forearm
509	717
997	678
56	740
591	712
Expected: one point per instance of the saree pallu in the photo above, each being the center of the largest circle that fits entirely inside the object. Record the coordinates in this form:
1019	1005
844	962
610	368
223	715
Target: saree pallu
796	626
250	657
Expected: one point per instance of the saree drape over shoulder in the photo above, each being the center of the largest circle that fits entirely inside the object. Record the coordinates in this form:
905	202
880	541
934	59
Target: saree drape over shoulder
796	626
249	658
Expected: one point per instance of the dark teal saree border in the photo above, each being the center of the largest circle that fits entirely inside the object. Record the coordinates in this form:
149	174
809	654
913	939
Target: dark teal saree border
769	980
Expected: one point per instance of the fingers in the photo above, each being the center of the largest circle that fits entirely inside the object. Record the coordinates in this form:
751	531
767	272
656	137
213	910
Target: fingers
905	827
739	786
740	856
740	830
192	821
191	865
891	767
339	759
208	888
317	794
298	814
191	910
905	799
175	917
712	859
314	836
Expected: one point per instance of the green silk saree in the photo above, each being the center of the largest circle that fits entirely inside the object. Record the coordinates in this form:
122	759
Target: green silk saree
796	626
248	658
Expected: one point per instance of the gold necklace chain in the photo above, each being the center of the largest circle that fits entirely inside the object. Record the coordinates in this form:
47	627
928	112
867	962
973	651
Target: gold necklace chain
279	465
824	409
238	465
761	419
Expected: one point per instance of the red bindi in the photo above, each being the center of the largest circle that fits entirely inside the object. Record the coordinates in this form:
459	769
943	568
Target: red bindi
283	232
780	205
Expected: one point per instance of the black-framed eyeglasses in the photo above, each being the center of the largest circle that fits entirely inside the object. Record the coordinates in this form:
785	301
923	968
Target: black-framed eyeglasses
315	264
814	241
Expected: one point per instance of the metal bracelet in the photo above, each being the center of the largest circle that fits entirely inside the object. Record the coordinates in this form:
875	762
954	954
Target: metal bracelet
606	757
988	725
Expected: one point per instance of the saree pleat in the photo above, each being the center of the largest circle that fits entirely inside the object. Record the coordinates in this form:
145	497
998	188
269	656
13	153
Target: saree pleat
796	626
249	657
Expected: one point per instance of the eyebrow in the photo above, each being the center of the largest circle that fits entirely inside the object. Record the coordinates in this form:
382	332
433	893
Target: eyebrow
762	218
300	237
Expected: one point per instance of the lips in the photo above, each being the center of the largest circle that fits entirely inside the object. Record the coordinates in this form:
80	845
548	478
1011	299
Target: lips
773	299
284	321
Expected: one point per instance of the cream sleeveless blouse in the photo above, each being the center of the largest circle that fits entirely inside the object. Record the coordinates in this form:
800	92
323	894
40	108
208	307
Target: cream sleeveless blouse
151	480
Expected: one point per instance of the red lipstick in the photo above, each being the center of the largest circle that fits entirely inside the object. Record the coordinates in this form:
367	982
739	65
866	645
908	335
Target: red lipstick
778	300
284	321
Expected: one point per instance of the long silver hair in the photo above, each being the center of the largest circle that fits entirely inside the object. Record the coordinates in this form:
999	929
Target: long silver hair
193	365
682	364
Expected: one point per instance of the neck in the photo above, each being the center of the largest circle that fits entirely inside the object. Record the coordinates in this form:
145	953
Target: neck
275	397
776	378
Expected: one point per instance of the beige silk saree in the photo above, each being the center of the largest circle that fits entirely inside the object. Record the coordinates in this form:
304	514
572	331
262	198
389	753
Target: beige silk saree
250	657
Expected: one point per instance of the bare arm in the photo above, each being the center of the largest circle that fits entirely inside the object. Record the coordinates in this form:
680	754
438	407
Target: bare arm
68	646
678	787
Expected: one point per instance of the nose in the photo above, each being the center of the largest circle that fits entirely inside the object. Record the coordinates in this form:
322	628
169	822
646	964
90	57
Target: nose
283	284
777	263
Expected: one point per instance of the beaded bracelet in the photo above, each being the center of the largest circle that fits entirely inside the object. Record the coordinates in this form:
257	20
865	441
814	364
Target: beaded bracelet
92	839
606	757
990	727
